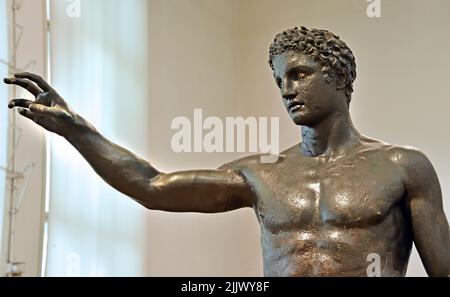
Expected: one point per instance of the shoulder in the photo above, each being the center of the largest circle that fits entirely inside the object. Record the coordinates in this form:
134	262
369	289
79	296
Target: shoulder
418	175
408	157
411	160
403	155
416	167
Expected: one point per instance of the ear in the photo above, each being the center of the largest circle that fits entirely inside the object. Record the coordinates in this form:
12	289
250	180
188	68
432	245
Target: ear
341	80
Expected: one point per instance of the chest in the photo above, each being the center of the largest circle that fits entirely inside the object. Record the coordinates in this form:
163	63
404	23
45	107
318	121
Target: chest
348	193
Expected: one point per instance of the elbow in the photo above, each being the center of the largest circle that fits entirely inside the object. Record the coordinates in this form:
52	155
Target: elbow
152	197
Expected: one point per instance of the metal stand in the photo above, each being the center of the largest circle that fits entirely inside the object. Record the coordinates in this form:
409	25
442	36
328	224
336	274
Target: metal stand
18	180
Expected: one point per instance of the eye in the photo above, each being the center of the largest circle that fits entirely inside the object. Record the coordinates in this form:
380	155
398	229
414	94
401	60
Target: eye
300	75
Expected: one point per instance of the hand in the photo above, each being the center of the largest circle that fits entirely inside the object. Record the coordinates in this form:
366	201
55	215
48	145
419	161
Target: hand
49	110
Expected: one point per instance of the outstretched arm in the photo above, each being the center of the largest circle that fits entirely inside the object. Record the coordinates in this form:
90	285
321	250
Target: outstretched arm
207	191
424	199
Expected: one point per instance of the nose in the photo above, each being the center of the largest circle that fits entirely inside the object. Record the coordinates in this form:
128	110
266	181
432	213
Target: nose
288	91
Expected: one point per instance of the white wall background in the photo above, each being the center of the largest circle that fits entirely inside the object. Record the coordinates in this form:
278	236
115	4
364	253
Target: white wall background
194	52
99	63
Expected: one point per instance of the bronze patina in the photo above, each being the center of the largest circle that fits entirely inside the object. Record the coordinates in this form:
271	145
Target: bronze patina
324	206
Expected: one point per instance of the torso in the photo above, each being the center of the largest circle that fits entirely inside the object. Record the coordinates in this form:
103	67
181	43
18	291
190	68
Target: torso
330	216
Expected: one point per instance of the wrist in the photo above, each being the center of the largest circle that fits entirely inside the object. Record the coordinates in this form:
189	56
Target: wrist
79	129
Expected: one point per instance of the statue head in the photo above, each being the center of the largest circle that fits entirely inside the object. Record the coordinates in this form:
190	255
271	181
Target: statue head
315	71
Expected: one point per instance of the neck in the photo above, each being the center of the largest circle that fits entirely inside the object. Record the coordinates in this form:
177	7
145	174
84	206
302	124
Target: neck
335	135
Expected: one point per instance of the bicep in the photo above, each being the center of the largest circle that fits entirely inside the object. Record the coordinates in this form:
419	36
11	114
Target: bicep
206	191
429	223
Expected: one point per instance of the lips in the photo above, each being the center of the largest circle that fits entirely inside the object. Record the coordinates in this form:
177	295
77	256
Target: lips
295	106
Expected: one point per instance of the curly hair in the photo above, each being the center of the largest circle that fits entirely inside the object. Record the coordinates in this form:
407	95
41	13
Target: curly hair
321	45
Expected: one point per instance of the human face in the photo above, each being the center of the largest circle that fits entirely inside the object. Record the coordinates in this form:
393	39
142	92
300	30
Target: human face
308	98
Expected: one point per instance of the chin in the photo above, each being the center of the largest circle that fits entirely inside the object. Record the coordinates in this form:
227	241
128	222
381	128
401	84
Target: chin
297	121
308	118
302	120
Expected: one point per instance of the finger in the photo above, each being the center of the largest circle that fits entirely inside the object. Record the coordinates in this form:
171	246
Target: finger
40	109
20	103
26	84
26	113
36	79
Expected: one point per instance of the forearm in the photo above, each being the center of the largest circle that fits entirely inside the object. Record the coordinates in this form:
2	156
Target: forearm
120	168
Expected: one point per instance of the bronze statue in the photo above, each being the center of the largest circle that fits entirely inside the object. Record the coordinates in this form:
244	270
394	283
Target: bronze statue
324	206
